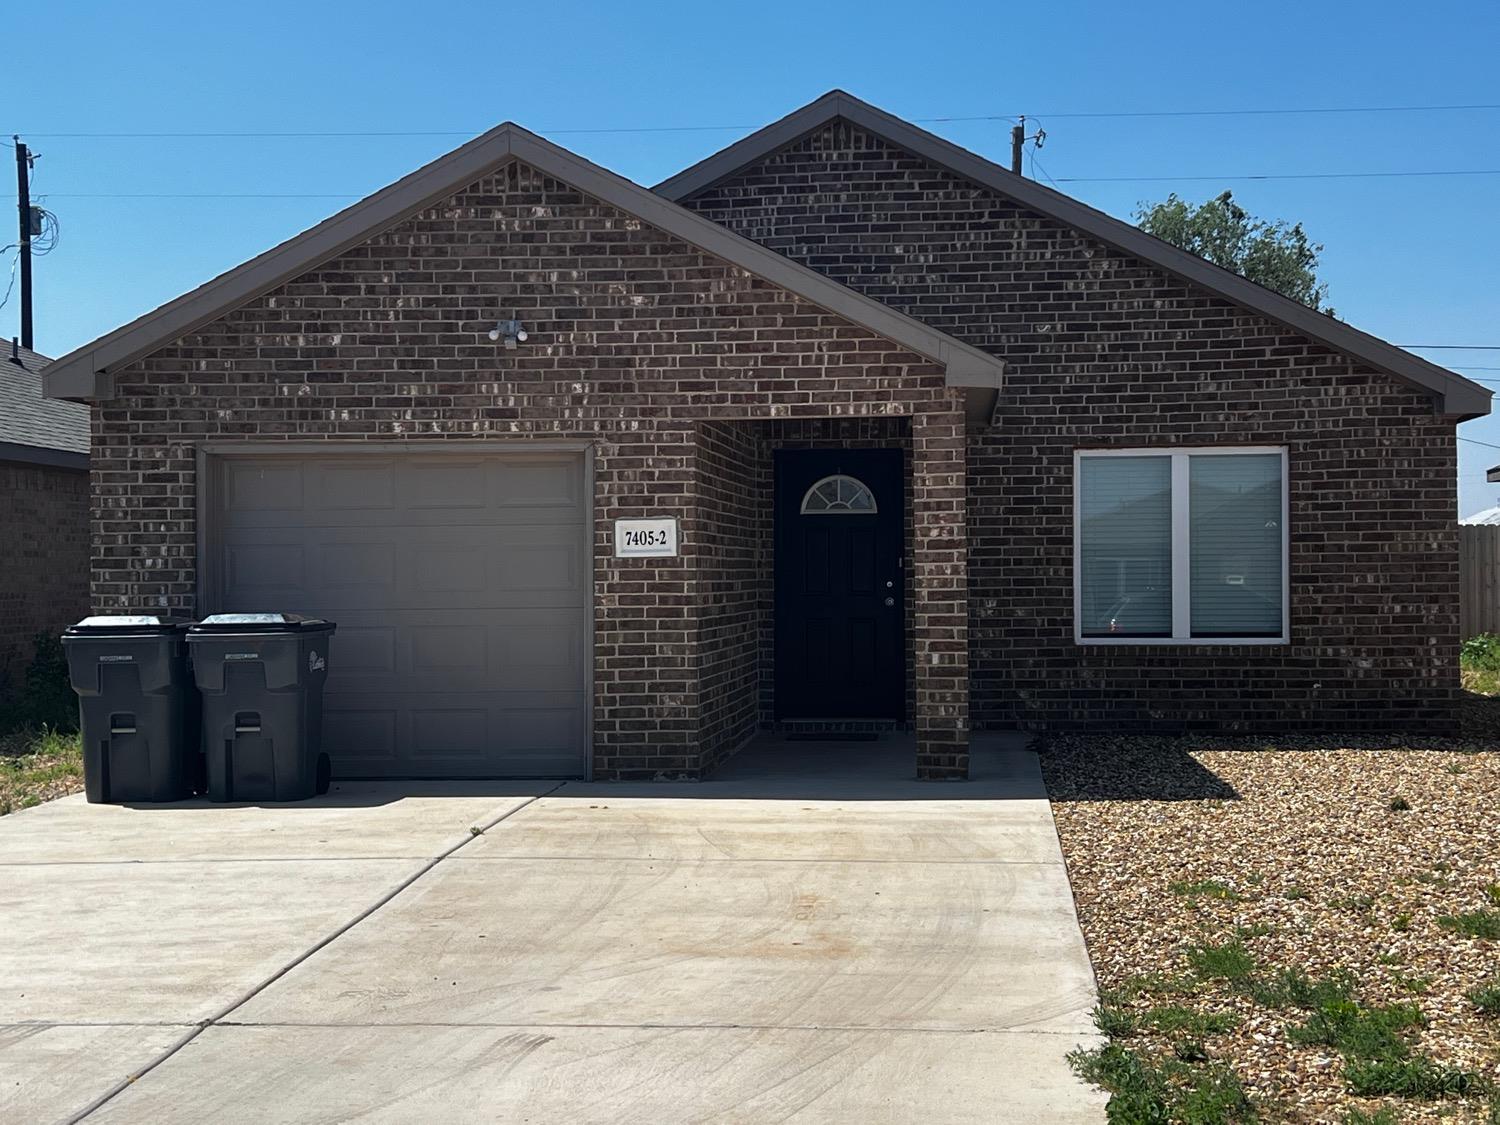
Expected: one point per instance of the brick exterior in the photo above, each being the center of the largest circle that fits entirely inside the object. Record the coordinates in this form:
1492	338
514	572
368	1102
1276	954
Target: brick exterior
44	558
1104	351
665	358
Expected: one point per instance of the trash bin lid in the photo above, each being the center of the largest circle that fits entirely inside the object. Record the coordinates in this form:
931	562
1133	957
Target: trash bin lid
260	623
125	623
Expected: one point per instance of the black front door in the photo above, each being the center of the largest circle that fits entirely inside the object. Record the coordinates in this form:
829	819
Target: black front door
840	644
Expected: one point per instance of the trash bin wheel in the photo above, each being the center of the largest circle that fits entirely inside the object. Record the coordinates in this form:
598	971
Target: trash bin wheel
325	774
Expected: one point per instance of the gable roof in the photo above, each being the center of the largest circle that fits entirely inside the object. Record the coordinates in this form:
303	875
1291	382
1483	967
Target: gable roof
86	372
1457	397
33	428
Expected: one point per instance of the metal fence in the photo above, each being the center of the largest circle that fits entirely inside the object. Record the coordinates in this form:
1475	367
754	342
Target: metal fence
1479	578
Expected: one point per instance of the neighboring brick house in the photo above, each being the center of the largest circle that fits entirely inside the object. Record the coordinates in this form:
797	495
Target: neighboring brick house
44	513
845	426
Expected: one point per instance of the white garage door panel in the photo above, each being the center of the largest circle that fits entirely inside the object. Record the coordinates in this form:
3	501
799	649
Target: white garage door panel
459	583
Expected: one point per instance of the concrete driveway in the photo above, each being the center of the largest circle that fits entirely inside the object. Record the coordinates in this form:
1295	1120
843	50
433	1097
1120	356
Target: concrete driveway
808	937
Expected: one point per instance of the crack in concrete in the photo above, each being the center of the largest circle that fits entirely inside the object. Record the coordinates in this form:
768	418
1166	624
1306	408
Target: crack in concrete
202	1025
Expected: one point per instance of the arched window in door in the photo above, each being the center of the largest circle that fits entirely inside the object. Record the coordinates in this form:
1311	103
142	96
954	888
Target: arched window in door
838	495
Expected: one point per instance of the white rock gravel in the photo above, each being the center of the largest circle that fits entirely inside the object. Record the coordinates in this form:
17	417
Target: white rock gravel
1323	874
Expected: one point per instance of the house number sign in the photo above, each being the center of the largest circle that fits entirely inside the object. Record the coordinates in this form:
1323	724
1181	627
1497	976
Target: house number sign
646	538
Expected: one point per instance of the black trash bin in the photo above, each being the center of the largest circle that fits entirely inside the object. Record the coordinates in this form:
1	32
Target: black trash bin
261	677
136	707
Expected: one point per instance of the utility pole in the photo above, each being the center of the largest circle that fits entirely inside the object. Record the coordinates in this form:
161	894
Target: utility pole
1017	143
23	203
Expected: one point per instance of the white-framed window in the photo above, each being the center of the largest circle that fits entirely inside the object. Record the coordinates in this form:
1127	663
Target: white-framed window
1180	546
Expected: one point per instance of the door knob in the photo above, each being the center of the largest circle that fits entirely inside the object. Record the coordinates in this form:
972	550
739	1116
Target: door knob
890	601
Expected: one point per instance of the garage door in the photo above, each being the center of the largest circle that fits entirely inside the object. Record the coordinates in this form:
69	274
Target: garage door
459	583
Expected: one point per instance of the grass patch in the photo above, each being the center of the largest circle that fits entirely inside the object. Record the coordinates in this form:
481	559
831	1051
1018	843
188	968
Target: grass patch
1359	1032
1419	985
1176	1020
36	766
1116	1022
1292	988
1482	924
1295	893
1373	1040
1229	961
1383	1116
1152	984
1205	888
1143	1092
1487	997
1415	1077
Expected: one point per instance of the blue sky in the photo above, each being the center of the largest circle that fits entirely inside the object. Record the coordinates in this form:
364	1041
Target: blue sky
1411	259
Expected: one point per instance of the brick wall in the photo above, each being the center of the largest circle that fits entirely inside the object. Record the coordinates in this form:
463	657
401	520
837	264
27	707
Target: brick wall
1105	351
729	553
636	341
44	559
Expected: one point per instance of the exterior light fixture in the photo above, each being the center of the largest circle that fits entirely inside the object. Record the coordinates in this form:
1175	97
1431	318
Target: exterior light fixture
510	331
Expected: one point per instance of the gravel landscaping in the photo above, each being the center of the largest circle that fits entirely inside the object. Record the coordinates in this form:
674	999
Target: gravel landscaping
1314	924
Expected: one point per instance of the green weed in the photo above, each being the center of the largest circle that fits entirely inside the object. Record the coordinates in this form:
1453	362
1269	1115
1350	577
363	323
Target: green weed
1415	1077
1229	961
1359	1032
1482	924
1205	888
1487	997
1175	1020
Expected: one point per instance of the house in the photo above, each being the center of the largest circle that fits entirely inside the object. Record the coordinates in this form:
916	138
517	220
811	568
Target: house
843	428
44	512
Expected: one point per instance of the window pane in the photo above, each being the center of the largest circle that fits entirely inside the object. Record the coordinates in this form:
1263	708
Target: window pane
1125	546
1234	521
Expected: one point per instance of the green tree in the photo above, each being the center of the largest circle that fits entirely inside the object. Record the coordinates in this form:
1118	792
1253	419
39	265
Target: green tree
1272	254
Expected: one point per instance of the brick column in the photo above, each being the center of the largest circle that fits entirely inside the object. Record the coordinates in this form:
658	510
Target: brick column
941	588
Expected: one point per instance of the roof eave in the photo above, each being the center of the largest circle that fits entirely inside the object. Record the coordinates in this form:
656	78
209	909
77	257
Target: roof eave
78	375
19	453
1457	398
85	374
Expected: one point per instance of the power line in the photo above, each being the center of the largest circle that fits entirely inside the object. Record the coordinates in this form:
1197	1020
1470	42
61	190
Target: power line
202	195
1276	176
1476	441
1058	180
1265	112
1452	347
328	134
